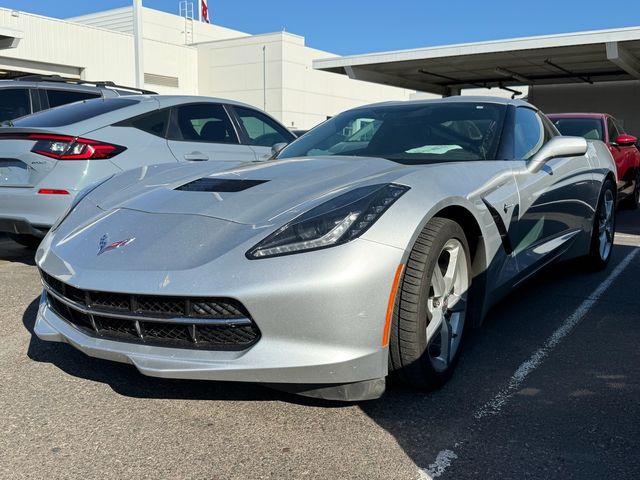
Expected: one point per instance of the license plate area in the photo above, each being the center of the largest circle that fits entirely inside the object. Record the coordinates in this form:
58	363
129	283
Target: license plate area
13	173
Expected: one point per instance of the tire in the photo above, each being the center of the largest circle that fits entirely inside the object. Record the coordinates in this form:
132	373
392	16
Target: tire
603	231
631	202
423	303
25	240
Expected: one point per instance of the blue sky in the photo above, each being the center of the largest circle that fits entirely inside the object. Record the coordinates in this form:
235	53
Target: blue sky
361	27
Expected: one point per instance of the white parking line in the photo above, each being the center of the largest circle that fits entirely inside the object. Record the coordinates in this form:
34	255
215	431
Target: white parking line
494	406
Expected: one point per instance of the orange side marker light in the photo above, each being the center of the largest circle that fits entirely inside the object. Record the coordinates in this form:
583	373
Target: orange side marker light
391	304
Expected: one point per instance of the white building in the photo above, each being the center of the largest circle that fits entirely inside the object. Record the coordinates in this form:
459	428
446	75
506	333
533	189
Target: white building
188	57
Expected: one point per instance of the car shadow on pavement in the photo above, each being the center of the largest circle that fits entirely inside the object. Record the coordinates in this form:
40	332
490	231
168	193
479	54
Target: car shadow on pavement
126	380
627	222
14	253
426	424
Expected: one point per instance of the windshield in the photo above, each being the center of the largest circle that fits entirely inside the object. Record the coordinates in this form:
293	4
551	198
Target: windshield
73	112
589	128
410	134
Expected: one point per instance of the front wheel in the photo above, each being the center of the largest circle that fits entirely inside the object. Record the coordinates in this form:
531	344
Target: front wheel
430	316
604	224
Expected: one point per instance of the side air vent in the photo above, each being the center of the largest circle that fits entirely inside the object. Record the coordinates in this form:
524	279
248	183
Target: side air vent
219	185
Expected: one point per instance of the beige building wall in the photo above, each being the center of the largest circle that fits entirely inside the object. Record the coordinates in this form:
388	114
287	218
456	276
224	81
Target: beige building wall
160	26
217	61
296	94
51	46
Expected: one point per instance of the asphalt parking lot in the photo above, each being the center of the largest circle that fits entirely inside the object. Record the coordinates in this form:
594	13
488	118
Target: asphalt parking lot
547	388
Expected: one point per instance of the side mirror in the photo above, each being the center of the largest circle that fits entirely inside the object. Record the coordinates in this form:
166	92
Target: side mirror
277	148
555	148
625	140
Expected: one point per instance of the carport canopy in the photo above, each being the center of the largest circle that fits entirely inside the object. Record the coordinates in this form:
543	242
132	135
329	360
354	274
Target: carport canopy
590	57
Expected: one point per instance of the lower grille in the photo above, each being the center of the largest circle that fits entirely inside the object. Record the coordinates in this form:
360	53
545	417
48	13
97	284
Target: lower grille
181	322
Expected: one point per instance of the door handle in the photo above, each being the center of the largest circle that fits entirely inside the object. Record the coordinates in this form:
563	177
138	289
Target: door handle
196	157
507	206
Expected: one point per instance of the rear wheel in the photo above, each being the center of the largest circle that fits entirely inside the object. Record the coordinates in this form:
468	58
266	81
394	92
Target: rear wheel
631	202
604	224
29	241
430	316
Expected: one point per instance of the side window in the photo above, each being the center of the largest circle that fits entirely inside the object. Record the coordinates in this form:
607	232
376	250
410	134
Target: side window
550	130
154	123
202	122
62	97
262	130
14	103
613	130
529	133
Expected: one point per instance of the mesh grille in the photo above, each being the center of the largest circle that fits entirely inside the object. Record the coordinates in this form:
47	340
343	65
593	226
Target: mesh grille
140	311
110	300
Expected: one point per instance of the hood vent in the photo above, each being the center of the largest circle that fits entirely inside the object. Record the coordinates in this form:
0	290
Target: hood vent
219	185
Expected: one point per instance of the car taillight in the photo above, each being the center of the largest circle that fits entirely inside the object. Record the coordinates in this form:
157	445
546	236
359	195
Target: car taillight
62	147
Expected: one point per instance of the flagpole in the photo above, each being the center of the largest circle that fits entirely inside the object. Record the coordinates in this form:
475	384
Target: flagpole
137	43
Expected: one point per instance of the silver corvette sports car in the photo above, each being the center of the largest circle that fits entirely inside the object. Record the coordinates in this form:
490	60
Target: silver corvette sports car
368	247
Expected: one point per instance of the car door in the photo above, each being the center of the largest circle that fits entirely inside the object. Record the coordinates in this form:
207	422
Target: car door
204	131
623	155
556	203
260	131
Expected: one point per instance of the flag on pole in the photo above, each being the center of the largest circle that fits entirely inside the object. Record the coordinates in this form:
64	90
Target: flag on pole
204	11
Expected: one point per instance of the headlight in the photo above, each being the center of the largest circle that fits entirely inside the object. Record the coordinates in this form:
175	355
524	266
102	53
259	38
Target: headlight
336	221
77	199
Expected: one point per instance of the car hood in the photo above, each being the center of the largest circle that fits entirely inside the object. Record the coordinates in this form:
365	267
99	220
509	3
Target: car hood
252	194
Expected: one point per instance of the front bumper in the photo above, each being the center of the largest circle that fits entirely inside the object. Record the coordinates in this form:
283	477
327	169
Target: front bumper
324	328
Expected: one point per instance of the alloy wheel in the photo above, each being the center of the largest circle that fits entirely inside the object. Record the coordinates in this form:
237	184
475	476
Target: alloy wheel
447	305
605	224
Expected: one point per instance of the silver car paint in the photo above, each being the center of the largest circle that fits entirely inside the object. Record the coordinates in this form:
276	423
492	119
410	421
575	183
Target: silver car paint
322	313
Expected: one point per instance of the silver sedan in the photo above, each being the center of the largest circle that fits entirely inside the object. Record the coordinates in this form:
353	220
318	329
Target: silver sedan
370	246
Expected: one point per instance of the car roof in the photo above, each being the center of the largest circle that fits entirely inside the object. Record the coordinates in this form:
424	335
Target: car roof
578	115
168	100
456	99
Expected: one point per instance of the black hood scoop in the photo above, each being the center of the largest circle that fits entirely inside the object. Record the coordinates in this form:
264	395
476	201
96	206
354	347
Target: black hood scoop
219	185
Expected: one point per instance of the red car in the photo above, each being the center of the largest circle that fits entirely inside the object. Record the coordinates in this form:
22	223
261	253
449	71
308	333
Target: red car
623	148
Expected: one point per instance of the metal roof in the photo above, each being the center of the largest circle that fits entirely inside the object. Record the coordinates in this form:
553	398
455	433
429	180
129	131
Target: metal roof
594	56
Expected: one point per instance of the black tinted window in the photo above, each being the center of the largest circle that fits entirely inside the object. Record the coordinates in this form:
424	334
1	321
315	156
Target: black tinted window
262	130
613	130
528	133
202	122
410	134
14	103
62	97
77	112
589	128
154	123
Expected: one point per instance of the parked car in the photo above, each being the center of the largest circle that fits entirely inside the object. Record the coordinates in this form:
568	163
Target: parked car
32	93
318	271
623	147
47	157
